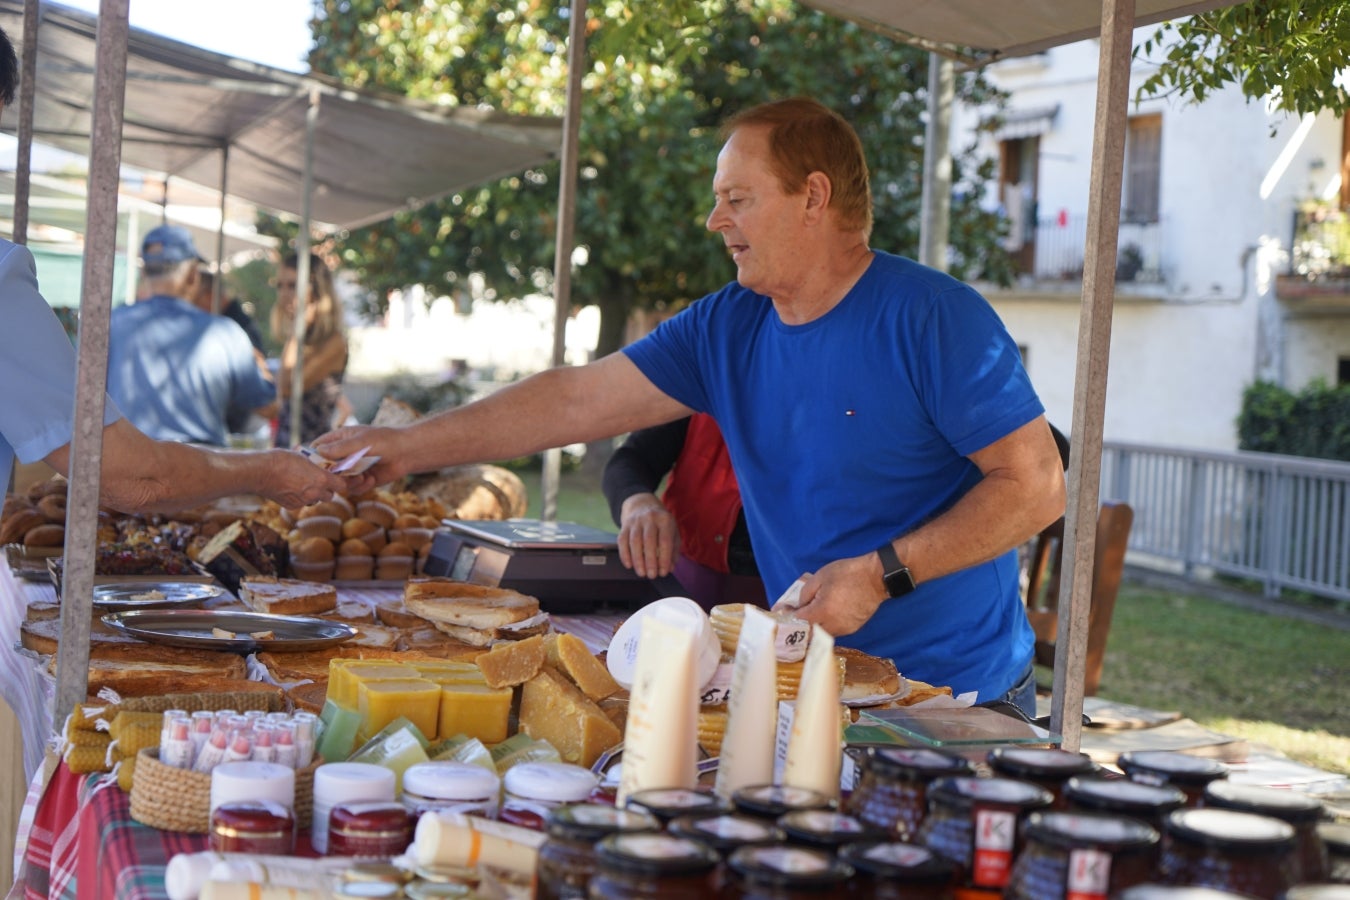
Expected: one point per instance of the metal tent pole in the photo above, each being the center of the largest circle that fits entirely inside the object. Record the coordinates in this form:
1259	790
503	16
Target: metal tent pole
302	268
936	200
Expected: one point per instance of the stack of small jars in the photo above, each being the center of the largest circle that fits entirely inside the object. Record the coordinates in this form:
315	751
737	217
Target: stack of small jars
922	825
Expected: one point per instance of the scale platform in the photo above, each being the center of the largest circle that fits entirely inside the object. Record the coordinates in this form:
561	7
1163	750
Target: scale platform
571	568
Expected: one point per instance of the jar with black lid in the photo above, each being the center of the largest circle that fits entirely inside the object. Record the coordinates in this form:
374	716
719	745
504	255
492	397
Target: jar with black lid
1176	892
1084	856
655	866
1336	838
1299	810
1232	851
671	803
784	873
976	823
1148	803
725	833
771	801
891	870
567	858
892	788
1045	766
1187	773
825	829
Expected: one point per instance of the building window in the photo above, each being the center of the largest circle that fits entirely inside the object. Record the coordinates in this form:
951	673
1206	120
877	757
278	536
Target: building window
1143	153
1343	370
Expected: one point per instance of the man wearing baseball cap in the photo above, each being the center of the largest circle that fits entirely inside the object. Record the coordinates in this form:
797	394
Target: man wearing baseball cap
173	369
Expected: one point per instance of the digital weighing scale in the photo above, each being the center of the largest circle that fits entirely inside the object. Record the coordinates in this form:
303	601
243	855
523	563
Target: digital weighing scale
568	567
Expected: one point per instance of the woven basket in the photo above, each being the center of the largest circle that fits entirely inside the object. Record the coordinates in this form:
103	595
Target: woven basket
173	799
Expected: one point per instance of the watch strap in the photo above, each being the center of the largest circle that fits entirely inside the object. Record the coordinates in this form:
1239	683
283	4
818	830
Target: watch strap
895	575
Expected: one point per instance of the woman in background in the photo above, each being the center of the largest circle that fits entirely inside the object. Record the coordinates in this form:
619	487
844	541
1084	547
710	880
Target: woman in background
325	356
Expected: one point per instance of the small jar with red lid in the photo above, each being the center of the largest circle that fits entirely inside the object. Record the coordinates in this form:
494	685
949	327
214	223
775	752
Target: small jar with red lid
1336	838
772	801
1045	766
891	870
671	803
892	788
1300	811
567	860
653	867
976	823
256	826
1148	803
1083	856
785	873
532	789
1232	851
1187	773
825	829
372	830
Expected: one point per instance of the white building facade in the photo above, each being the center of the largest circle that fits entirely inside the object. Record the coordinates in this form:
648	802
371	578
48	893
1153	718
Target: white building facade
1209	201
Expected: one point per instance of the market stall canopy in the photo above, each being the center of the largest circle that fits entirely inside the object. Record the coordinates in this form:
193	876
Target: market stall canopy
978	31
373	154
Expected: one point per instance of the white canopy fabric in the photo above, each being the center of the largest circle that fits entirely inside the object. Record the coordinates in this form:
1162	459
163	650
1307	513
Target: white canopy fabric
374	154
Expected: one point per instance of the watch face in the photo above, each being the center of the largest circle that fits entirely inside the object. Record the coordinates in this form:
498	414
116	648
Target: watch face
899	582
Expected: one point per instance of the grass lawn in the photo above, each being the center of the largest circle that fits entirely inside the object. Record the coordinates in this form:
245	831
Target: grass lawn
1266	679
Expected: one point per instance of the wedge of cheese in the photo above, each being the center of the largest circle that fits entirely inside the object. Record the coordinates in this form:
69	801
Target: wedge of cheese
555	710
569	654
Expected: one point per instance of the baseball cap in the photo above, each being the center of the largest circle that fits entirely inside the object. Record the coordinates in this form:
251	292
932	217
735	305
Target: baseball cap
169	244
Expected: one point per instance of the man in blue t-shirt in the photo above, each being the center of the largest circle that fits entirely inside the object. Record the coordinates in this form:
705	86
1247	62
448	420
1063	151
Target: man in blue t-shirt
890	449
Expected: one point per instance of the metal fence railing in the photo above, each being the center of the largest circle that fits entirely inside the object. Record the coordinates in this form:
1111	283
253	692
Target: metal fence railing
1281	520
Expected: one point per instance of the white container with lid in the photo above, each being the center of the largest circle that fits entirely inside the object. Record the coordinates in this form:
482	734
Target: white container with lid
621	657
250	780
446	786
345	782
533	788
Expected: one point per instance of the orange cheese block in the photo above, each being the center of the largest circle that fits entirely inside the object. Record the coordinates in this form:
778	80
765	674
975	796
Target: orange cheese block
510	663
344	675
381	702
555	710
474	710
569	654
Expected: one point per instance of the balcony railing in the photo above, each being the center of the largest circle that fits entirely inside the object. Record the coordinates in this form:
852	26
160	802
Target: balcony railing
1060	240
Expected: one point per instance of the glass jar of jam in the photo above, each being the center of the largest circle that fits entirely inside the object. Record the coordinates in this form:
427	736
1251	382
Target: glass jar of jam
892	789
825	829
1187	773
369	830
1122	797
1044	766
447	786
1084	856
891	870
772	801
1336	838
976	823
785	873
254	826
634	866
1299	810
725	833
1231	851
671	803
567	859
534	788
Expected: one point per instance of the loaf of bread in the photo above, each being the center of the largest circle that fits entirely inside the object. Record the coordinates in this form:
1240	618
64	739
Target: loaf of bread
287	596
449	602
136	669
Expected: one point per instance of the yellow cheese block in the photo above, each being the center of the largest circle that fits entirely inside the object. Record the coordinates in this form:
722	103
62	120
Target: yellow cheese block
345	674
555	710
428	667
381	702
474	710
569	654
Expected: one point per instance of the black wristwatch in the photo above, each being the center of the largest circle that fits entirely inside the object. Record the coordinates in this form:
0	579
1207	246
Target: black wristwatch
894	574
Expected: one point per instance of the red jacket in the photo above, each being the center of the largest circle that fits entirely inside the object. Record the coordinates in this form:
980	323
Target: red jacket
703	496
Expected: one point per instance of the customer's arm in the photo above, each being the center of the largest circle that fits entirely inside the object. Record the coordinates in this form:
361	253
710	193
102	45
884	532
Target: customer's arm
648	536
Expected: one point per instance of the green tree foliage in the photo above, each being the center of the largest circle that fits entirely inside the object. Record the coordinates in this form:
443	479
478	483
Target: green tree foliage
660	78
1314	422
1289	49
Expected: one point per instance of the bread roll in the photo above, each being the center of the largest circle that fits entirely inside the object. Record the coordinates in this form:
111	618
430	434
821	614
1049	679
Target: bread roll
313	550
19	523
45	536
53	506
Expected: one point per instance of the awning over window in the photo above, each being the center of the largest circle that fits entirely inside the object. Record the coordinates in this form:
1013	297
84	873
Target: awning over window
1016	124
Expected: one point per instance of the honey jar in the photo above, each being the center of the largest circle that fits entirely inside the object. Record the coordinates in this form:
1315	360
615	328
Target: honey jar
824	829
1232	851
725	833
671	803
253	826
772	801
379	830
891	870
1299	810
1083	856
1187	773
892	789
1045	766
785	873
1120	796
976	823
654	866
567	860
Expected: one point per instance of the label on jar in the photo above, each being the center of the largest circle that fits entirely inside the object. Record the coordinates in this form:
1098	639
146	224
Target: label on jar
995	831
897	854
1089	876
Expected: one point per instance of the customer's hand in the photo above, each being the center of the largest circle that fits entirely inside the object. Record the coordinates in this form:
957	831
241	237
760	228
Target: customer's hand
383	443
842	596
294	481
648	536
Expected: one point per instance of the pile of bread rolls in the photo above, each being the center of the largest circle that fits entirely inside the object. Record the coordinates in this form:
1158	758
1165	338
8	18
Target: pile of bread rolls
36	518
380	535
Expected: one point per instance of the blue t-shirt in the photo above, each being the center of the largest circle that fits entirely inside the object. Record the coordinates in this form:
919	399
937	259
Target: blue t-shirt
175	370
37	367
853	429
